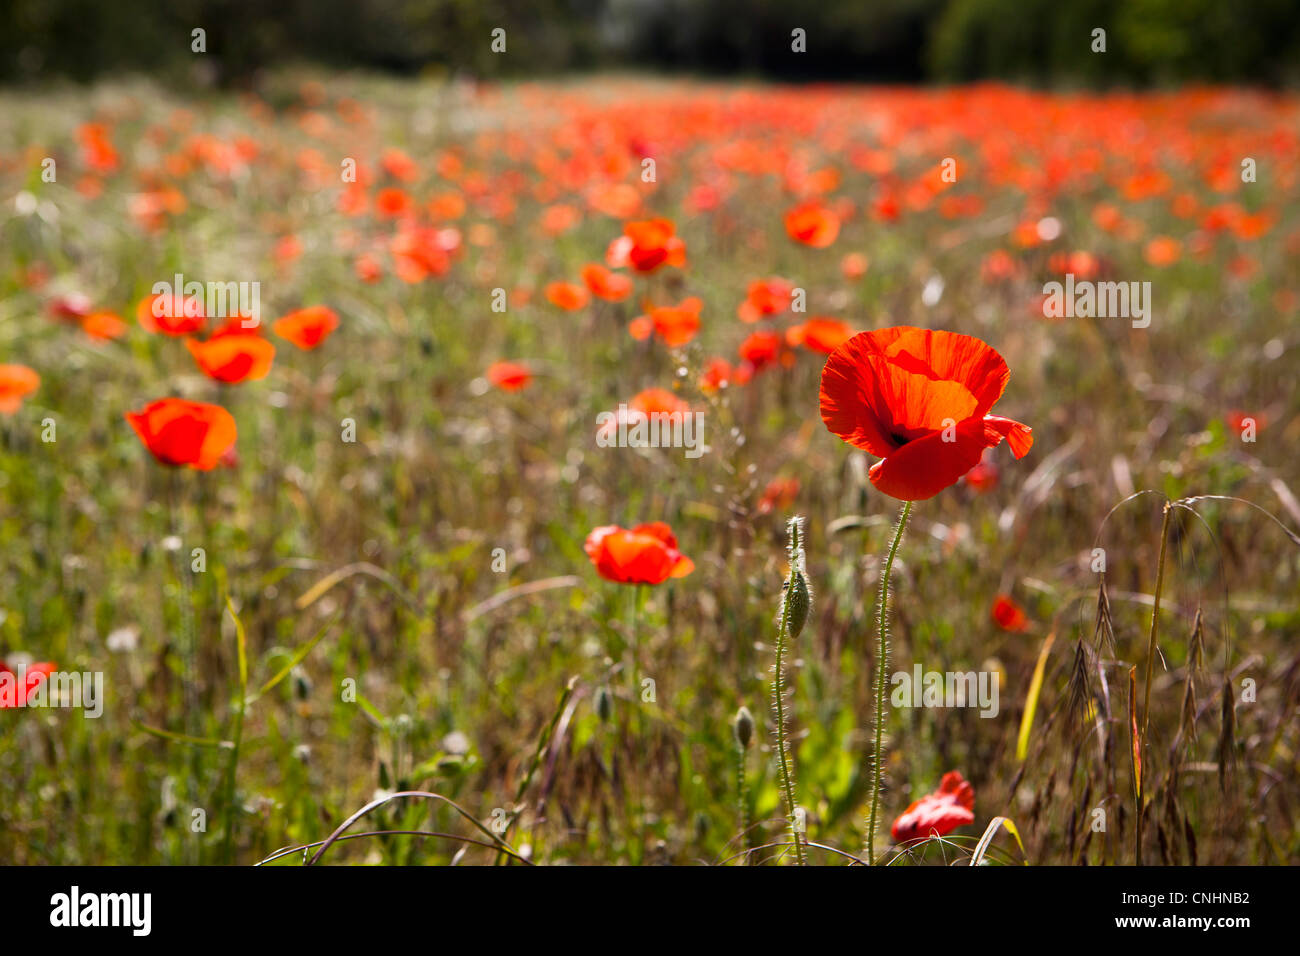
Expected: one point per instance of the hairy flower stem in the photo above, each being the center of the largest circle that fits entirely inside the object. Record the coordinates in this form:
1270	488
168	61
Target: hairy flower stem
882	662
778	700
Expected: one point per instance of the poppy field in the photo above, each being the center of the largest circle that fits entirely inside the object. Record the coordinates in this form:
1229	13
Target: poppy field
634	471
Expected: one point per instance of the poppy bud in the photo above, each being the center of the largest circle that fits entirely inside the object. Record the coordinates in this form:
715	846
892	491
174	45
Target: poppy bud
743	727
799	602
604	703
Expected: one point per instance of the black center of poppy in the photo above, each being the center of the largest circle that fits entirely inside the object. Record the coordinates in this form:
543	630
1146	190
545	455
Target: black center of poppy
899	439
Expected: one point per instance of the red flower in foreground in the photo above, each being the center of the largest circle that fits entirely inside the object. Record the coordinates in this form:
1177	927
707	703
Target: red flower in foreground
645	555
509	376
307	328
918	399
233	354
15	688
938	813
179	432
16	383
1009	615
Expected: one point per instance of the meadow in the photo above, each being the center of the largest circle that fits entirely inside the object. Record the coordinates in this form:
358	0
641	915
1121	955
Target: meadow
388	581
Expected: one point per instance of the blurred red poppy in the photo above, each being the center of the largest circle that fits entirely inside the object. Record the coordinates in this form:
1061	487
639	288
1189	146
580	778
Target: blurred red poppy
918	399
604	284
819	334
16	383
16	687
937	813
675	324
717	374
567	295
765	297
71	307
179	432
1009	615
307	328
813	224
233	354
778	495
103	326
647	554
984	476
761	349
509	376
647	245
170	316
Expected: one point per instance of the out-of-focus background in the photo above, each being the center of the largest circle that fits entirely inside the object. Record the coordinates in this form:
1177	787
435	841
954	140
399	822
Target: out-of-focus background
1148	41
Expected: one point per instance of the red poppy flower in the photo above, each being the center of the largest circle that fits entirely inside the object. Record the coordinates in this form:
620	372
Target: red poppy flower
233	354
647	554
717	373
918	399
1239	421
813	224
170	316
854	265
15	688
16	383
763	298
420	252
761	349
675	324
984	476
1009	615
1163	251
647	245
103	326
509	376
938	813
179	432
399	165
604	284
644	406
71	307
778	495
392	203
307	328
567	295
819	334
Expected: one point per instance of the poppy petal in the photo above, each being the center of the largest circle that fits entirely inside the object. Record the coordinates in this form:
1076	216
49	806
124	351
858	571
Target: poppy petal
926	466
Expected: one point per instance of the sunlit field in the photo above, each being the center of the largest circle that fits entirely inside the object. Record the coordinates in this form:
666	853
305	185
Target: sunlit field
376	556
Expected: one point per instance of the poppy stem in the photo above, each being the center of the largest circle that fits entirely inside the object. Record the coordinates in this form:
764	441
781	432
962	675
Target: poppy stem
882	660
778	697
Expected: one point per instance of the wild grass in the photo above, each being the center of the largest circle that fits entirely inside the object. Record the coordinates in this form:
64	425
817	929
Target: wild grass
350	681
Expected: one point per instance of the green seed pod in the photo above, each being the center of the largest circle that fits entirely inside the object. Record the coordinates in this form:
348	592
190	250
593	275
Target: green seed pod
743	727
800	602
604	703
